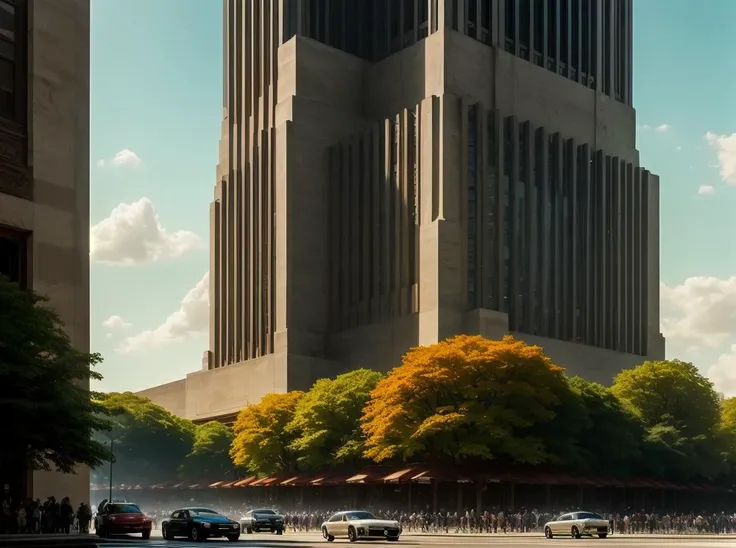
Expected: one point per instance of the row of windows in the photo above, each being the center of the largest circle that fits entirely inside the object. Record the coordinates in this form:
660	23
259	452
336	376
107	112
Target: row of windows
560	35
571	260
371	29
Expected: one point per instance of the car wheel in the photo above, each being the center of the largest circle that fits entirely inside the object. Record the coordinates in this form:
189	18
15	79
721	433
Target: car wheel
352	535
165	532
233	538
547	532
328	537
575	532
145	535
602	535
194	535
279	531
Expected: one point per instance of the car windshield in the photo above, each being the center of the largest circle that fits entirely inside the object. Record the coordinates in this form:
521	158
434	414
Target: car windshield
352	516
264	512
589	515
562	517
202	512
123	509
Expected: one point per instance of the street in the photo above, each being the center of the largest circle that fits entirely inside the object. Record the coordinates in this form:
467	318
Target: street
308	540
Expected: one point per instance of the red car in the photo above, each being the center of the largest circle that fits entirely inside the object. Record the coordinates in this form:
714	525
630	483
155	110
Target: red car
121	518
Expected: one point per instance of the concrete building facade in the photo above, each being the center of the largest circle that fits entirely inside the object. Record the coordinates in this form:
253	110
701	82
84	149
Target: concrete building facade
44	172
395	172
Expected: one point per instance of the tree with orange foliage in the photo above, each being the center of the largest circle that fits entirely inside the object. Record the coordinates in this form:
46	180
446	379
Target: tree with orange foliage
466	398
261	443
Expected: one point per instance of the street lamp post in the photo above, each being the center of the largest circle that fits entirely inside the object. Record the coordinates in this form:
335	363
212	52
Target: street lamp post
112	457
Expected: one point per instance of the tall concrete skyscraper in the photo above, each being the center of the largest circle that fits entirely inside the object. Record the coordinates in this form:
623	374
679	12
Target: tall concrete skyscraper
394	172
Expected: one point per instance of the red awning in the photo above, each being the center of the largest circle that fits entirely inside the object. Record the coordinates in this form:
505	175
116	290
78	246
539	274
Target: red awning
397	476
245	482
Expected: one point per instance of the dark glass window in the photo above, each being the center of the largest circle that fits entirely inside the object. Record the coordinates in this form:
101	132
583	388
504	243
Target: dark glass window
472	204
564	26
8	68
574	31
586	22
509	11
552	29
409	15
539	6
13	256
524	25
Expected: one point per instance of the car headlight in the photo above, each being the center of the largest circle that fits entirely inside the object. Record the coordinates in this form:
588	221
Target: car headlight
206	525
236	526
112	518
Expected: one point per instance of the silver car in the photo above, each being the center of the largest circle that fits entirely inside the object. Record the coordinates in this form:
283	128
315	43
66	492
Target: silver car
356	525
578	524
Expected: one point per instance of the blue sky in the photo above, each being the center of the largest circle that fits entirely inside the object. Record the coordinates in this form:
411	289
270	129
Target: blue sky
156	111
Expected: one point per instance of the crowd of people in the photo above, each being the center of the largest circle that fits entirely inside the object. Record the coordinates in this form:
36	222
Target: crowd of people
34	517
300	520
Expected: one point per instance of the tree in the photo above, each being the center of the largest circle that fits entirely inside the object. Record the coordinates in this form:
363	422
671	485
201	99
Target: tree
615	433
262	443
48	412
466	398
150	444
670	393
326	422
680	411
210	454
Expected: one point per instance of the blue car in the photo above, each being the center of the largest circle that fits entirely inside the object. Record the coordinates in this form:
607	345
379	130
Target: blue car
199	524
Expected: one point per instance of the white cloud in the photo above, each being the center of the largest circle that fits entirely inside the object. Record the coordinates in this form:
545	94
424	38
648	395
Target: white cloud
662	128
191	319
124	158
700	311
678	147
133	235
723	373
706	189
644	127
725	147
115	322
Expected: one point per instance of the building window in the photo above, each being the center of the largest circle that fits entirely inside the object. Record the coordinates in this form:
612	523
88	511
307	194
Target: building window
472	205
14	256
12	65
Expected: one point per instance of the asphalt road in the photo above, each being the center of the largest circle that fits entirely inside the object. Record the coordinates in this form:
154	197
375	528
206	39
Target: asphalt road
517	541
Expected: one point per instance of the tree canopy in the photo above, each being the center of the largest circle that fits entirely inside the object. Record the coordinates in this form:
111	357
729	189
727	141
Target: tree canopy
209	457
466	398
326	419
262	442
150	444
50	416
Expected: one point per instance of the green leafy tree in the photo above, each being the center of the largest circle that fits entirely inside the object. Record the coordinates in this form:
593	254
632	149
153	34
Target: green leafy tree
670	393
614	434
681	412
327	419
262	443
210	454
149	443
466	398
48	413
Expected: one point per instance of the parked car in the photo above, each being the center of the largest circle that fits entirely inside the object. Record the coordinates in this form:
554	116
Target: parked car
121	518
578	524
262	519
199	524
357	525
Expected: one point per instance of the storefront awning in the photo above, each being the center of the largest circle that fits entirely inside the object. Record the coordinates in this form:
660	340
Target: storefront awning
396	476
357	478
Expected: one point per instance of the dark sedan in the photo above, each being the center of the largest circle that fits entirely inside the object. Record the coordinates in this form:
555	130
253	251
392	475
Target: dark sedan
199	524
262	519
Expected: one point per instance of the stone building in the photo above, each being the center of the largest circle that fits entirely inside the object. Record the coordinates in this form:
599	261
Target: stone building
44	173
394	172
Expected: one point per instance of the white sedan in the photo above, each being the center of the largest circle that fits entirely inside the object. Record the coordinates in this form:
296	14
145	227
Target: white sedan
578	524
356	525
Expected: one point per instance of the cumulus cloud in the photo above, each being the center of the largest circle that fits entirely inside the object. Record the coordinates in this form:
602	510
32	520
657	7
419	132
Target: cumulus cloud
124	158
723	372
700	311
133	235
706	189
725	147
191	319
115	322
662	128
